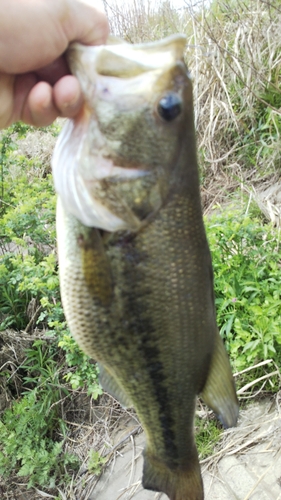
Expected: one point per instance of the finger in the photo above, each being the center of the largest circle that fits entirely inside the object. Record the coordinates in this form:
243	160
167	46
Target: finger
7	83
67	96
39	109
20	91
87	24
54	71
48	27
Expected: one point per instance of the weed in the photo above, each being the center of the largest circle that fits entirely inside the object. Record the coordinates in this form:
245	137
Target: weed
207	434
246	265
96	462
32	431
27	436
84	371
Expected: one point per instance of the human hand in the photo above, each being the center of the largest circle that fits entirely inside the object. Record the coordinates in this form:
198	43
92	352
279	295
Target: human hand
35	84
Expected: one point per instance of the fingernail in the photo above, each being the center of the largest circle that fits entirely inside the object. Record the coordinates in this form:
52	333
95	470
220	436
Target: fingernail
71	103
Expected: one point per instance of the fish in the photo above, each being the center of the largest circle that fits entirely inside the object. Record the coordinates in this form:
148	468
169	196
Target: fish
134	262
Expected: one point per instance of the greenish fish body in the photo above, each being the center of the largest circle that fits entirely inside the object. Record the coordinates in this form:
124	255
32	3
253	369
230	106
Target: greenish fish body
135	267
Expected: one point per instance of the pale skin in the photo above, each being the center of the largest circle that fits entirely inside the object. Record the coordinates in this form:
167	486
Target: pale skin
35	84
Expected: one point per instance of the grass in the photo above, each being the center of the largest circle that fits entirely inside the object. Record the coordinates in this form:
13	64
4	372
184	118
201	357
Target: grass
245	252
207	435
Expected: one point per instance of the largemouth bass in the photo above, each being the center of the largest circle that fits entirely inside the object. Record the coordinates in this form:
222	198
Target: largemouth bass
135	267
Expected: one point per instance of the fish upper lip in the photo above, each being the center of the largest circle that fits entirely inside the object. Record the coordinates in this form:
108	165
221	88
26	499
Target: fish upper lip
109	58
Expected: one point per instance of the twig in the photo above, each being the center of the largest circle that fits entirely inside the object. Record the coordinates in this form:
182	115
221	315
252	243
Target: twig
262	363
134	431
250	384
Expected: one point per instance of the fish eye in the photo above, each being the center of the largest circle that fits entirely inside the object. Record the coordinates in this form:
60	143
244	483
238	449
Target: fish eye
169	106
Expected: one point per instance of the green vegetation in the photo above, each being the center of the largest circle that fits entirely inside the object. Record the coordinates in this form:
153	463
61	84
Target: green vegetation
32	431
96	462
29	445
207	434
246	262
236	70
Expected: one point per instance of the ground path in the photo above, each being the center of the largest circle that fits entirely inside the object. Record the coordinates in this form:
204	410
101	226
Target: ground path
247	465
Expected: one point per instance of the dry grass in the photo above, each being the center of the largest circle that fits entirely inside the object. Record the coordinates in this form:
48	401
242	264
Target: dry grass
258	431
108	428
233	52
12	355
142	20
239	440
268	199
242	58
258	434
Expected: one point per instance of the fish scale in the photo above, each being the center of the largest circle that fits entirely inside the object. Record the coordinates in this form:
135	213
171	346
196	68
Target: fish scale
137	289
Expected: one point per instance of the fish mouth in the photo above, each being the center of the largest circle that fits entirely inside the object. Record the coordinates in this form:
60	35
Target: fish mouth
124	60
122	84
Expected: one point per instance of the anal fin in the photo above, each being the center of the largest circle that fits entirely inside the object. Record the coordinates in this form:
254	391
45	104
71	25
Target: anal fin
219	391
110	385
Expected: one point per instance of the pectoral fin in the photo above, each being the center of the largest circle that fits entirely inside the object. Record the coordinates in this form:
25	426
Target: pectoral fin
110	385
219	391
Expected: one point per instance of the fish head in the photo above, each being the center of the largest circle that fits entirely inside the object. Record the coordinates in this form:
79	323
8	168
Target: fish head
116	163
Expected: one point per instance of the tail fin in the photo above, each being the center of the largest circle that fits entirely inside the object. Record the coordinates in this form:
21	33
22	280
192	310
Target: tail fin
181	483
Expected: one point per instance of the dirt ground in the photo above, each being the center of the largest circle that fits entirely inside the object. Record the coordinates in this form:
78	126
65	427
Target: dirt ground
245	466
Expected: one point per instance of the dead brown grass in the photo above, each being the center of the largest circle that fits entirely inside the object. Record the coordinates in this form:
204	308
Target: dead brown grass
233	52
